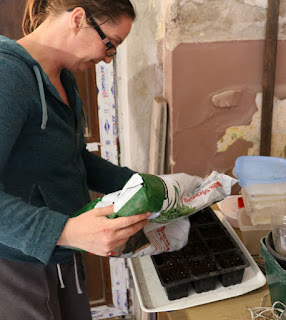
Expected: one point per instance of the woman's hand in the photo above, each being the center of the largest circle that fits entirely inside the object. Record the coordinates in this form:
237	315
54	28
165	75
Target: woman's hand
93	232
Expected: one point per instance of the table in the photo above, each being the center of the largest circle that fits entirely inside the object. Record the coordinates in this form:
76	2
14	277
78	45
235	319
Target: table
229	309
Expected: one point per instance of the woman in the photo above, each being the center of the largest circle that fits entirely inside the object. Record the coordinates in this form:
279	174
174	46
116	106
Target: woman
45	169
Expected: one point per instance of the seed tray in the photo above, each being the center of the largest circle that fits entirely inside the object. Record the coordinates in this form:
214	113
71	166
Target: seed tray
206	216
211	230
208	258
220	244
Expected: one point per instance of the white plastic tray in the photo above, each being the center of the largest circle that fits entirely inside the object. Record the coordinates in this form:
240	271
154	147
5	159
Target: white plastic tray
153	298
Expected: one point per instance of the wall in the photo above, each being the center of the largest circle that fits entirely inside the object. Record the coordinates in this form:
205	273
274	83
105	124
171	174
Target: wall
189	46
139	79
217	104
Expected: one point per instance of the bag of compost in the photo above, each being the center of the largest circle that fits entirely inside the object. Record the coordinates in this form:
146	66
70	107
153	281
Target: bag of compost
171	199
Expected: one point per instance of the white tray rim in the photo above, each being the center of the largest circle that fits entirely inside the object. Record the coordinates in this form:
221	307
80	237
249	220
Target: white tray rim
256	282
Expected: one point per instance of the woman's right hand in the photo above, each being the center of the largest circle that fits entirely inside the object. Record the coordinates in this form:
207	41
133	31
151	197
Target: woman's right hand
94	232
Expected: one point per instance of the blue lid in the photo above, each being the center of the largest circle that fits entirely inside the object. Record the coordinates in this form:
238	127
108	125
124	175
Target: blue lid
260	169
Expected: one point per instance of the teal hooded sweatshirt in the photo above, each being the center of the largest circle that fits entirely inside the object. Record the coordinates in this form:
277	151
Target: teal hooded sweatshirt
45	169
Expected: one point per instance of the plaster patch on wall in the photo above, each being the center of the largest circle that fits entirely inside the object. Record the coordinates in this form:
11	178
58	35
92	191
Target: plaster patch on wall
282	25
172	162
278	145
227	99
258	3
211	21
196	21
208	20
251	133
163	9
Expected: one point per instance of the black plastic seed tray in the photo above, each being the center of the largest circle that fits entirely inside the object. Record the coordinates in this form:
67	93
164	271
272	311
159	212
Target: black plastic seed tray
210	256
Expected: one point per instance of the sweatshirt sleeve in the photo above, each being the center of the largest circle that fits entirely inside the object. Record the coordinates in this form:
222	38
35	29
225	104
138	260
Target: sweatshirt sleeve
24	227
102	175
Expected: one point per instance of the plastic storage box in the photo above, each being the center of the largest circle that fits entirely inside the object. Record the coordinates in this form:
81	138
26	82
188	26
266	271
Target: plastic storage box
251	234
263	182
257	173
211	255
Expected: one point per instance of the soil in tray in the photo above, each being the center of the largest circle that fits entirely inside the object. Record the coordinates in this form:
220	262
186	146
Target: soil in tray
220	244
212	230
194	235
202	217
229	260
169	258
171	273
194	249
204	266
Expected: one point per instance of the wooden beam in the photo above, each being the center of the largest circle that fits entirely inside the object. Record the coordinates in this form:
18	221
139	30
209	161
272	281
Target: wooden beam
158	136
269	69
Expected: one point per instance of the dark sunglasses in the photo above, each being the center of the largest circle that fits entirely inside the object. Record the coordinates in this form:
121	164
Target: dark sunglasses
110	48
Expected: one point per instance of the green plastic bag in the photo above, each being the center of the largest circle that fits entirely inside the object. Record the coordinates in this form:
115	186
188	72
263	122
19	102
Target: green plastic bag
168	197
142	193
150	197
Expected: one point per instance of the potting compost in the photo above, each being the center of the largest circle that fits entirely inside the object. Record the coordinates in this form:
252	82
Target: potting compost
171	199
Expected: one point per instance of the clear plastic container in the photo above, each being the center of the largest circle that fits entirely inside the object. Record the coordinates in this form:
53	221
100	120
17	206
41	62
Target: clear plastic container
278	224
263	182
260	207
251	234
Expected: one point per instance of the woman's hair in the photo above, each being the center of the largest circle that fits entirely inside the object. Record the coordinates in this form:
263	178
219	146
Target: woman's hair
37	11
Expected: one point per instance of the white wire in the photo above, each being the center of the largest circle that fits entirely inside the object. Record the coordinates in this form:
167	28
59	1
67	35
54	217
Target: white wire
259	312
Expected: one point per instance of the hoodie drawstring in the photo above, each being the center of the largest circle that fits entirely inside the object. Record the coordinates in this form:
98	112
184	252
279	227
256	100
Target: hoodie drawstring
86	129
60	276
78	288
42	96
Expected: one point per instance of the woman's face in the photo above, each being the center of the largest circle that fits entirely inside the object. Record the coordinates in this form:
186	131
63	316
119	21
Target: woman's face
88	48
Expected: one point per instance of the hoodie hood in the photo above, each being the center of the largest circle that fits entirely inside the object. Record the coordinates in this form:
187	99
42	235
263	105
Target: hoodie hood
13	49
